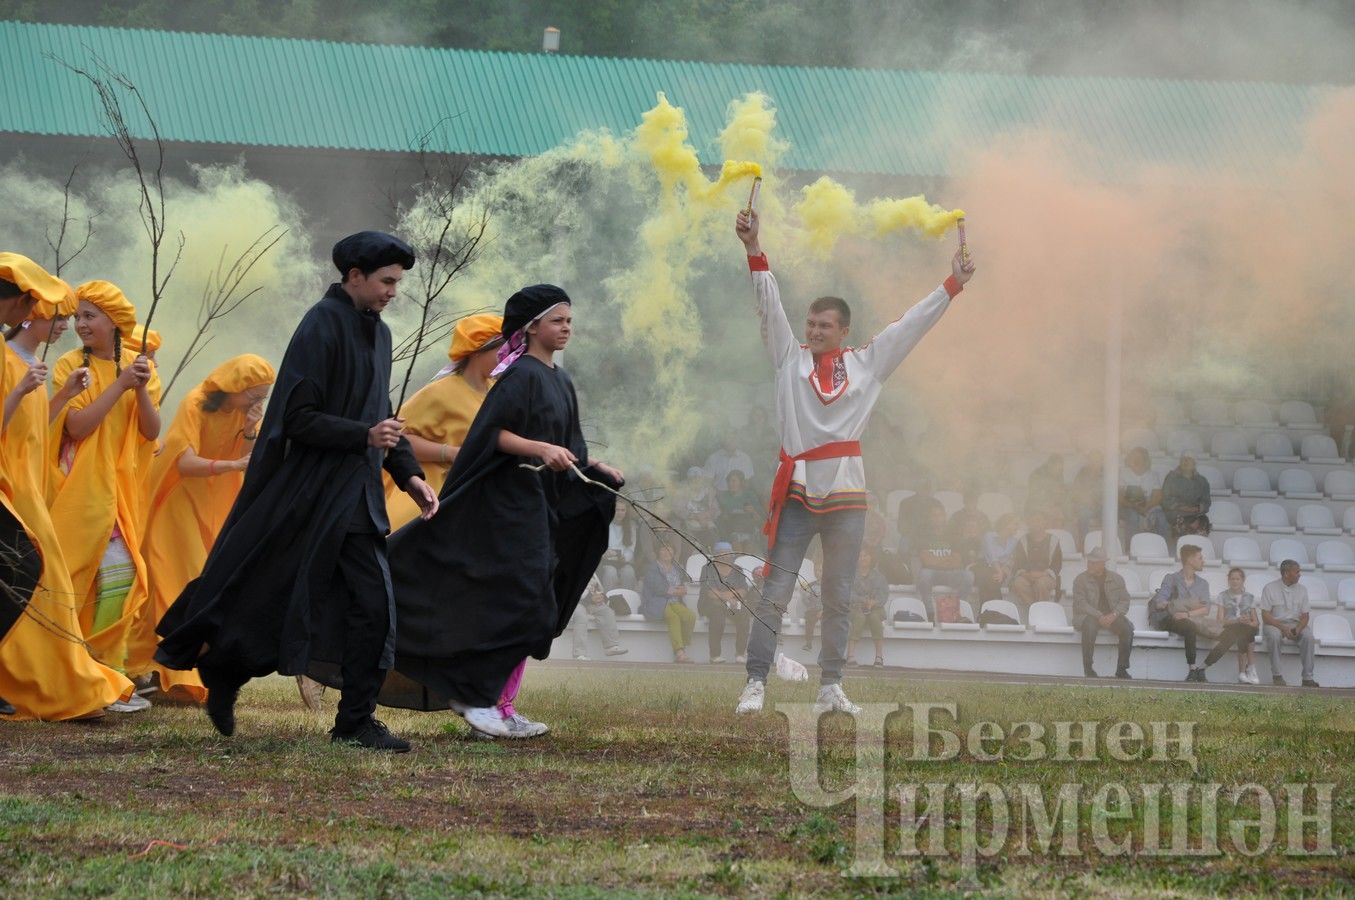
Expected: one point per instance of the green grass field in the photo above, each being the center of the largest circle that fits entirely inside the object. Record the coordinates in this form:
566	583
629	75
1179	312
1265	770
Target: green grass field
648	785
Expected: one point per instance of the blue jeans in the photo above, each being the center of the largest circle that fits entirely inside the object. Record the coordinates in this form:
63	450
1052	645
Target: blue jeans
841	534
1135	523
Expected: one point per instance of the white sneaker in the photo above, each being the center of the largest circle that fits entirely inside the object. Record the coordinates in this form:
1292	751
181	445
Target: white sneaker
831	697
1242	677
1252	676
488	720
718	659
133	704
750	701
740	659
519	726
580	657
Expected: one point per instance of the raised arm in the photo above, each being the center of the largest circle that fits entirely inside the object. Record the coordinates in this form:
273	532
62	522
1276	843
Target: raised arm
776	331
896	340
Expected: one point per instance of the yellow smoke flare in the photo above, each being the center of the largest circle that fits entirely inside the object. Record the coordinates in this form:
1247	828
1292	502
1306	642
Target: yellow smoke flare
828	211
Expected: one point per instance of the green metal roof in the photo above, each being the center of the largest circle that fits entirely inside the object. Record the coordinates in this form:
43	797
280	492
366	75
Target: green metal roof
221	89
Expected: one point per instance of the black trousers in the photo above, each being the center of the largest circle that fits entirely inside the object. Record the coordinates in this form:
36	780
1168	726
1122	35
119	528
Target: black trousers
1237	635
1121	628
718	616
359	593
20	568
1185	628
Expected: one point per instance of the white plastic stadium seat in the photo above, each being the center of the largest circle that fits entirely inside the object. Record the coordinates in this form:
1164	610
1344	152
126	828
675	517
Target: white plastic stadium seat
1217	580
1319	595
1218	485
1348	520
1339	484
1314	518
915	606
1211	557
1133	583
966	612
1138	617
1006	608
1066	544
1253	414
1271	518
1275	446
1298	484
1331	630
1147	548
1320	448
695	564
1047	617
1256	583
1141	437
1335	556
1230	445
1155	577
1244	552
1093	540
749	566
1225	515
807	575
995	506
1298	414
1345	592
1288	548
1213	412
1249	481
1182	440
632	600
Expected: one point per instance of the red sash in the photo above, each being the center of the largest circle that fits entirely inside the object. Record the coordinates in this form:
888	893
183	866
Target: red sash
786	471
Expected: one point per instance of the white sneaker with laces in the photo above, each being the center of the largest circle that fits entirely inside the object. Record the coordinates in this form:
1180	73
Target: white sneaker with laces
133	704
488	720
831	697
1252	676
750	701
1242	677
519	726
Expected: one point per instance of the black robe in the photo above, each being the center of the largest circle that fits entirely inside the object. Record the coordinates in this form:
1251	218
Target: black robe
259	605
496	575
20	568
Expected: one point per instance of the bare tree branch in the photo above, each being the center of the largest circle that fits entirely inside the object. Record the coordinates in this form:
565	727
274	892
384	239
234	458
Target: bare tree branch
57	244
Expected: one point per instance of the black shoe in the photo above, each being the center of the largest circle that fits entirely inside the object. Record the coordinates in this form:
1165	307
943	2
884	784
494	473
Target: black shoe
373	735
1199	676
1278	681
1190	675
6	708
1308	682
1089	672
147	684
221	697
1123	673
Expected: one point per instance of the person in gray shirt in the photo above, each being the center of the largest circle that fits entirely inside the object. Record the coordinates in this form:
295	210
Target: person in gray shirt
1181	602
1100	601
1284	617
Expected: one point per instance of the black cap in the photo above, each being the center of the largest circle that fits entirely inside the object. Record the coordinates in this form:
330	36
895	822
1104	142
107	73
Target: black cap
371	250
528	303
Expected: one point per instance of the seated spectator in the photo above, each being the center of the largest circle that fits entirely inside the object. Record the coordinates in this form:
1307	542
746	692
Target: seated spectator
618	563
1236	612
663	598
1180	603
1100	601
1284	614
1185	499
996	564
968	519
1036	563
593	607
724	599
725	460
696	507
940	563
741	509
1047	491
1084	497
870	592
914	516
1141	498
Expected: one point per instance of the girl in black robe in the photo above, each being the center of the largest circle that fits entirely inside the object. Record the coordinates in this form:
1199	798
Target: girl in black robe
495	576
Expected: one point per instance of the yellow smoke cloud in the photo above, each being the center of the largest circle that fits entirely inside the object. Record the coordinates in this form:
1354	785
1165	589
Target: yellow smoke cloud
828	211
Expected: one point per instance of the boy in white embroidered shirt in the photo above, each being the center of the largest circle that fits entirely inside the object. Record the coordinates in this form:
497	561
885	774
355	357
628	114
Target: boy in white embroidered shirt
824	396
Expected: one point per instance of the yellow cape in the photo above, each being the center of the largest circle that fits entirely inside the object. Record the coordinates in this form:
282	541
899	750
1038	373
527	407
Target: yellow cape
440	412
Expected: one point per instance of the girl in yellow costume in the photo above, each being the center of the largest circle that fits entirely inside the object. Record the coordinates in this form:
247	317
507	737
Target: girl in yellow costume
438	416
99	438
45	672
194	481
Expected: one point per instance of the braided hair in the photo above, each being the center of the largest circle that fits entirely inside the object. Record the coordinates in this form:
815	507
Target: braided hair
117	353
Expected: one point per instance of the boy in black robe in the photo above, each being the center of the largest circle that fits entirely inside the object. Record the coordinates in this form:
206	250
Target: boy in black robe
496	575
297	579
